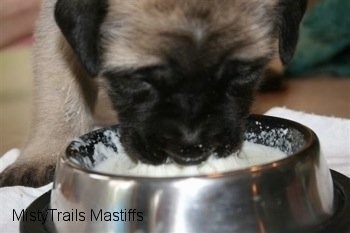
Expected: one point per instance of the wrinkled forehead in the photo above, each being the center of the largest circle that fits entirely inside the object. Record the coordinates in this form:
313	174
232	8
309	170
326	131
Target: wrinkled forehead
148	32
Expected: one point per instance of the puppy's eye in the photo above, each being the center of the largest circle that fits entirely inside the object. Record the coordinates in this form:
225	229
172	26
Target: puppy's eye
154	75
127	85
241	72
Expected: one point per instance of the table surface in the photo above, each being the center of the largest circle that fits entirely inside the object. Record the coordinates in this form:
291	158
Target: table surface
320	95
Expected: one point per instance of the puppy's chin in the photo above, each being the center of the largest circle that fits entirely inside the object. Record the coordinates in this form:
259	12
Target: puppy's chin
198	156
155	152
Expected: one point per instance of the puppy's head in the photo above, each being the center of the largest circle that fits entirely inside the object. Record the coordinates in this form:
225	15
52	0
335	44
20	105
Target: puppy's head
181	74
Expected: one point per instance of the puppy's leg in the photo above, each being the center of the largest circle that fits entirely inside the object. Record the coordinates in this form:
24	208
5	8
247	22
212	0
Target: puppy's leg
63	99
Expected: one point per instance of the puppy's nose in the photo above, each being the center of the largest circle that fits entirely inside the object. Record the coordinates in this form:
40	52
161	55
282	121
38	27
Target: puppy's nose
181	136
190	137
185	146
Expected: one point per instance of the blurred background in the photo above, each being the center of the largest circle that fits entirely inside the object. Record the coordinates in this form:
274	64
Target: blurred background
317	81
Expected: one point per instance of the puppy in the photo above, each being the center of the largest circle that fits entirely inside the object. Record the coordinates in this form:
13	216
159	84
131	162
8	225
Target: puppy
180	75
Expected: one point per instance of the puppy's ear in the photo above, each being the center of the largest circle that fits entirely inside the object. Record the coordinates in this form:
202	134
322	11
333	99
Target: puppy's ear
292	12
80	21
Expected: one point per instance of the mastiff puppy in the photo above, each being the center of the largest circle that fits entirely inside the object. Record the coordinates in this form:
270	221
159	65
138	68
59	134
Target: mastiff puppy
179	75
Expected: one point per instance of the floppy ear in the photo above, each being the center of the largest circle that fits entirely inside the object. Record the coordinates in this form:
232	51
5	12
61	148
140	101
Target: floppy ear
291	16
79	21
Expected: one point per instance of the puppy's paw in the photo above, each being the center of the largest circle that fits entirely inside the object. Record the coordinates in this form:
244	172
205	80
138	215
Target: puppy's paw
27	173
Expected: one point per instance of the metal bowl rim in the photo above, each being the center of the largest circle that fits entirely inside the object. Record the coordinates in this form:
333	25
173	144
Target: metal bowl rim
311	143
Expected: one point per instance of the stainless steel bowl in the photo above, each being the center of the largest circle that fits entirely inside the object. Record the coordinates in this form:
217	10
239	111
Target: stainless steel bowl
294	194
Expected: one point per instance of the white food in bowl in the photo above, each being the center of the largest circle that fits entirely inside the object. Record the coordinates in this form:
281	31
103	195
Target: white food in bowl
121	164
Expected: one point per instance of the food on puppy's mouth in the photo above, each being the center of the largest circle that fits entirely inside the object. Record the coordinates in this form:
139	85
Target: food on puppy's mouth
121	164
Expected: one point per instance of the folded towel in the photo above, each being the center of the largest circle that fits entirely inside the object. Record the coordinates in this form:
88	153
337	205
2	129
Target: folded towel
334	135
324	41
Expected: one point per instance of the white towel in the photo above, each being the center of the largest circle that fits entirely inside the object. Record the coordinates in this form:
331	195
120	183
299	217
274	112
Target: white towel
334	135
